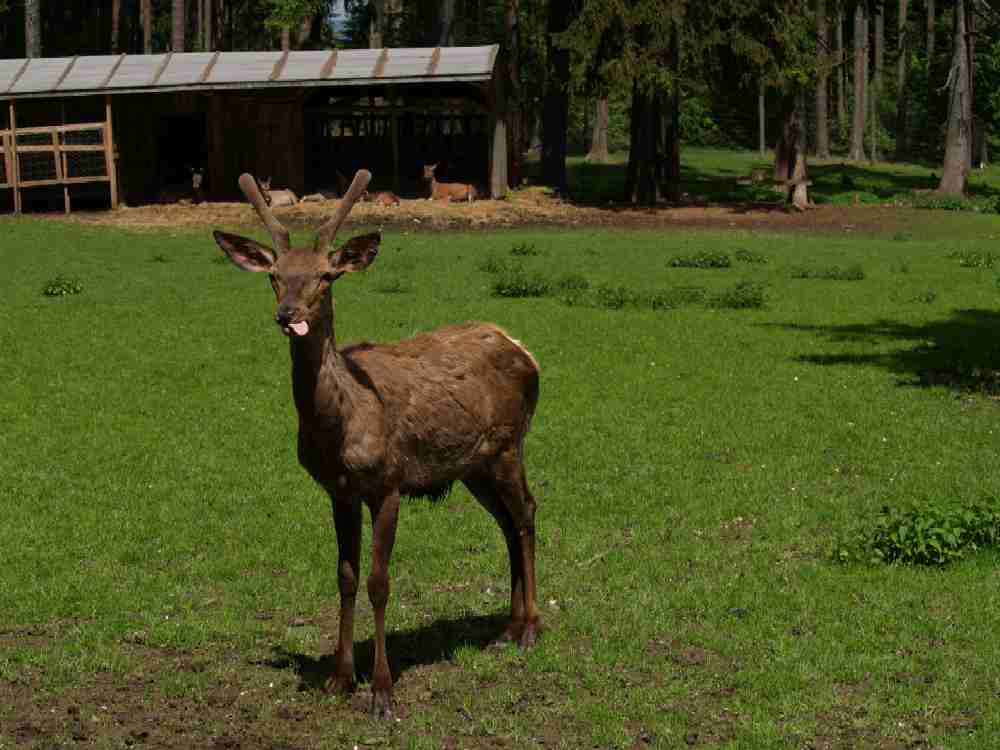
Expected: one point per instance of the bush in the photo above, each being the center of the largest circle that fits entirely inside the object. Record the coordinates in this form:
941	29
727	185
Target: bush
572	282
493	264
747	295
924	535
524	250
60	286
925	297
829	273
982	204
703	259
616	297
516	282
680	296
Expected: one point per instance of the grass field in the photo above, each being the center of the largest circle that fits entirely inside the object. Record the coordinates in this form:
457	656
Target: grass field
168	570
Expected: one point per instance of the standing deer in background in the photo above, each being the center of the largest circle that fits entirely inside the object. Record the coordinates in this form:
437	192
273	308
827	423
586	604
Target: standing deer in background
377	421
449	191
277	198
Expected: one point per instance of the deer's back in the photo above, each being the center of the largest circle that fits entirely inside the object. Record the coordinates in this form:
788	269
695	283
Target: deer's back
448	400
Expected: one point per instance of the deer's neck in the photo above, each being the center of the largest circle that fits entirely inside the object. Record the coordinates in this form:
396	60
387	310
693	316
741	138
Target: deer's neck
319	376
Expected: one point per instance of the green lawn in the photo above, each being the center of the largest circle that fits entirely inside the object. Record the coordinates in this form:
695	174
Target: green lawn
694	468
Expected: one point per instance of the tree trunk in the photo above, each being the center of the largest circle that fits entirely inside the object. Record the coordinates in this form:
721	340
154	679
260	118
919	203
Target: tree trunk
555	107
903	82
822	76
116	14
958	143
672	146
790	153
645	170
931	26
598	153
286	39
446	31
146	10
515	107
178	24
305	31
841	76
761	121
875	89
375	35
857	152
32	28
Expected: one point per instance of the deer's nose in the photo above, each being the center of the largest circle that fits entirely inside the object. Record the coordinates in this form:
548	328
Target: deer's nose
283	317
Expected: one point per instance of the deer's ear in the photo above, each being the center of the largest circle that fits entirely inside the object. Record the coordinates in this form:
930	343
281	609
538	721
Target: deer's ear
356	254
244	252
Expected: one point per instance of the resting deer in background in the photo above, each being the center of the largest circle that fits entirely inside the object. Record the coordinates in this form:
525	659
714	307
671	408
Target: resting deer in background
379	421
384	198
277	198
449	191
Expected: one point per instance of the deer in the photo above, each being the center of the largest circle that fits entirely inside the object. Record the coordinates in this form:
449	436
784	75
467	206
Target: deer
378	422
188	193
384	198
277	198
448	191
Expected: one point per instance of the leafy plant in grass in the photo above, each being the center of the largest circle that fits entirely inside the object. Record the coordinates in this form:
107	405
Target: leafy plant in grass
853	272
615	297
524	250
924	534
159	258
516	282
670	299
975	258
493	264
925	297
934	200
749	256
702	259
746	295
392	286
61	286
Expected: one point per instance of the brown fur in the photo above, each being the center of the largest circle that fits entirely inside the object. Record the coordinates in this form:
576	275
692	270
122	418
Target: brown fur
277	198
384	198
377	421
448	191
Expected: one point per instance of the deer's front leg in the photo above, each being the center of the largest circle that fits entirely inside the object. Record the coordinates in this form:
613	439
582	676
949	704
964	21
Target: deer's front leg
385	513
347	519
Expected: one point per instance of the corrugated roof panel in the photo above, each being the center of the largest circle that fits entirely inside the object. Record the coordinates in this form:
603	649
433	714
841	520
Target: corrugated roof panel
42	74
185	68
408	63
305	65
465	61
8	70
136	71
236	67
89	72
356	63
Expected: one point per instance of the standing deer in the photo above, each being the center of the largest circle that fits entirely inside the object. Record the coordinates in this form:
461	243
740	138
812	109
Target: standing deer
379	421
277	198
448	191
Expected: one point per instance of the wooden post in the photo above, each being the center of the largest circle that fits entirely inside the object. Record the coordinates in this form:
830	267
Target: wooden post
15	174
109	153
61	168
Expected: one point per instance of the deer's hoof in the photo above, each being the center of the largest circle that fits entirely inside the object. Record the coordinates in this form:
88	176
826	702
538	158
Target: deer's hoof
382	705
530	634
340	685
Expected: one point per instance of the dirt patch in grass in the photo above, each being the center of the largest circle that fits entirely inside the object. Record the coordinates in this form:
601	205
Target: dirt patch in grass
528	207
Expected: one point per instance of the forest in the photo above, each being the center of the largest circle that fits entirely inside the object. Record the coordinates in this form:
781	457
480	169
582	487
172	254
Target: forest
873	80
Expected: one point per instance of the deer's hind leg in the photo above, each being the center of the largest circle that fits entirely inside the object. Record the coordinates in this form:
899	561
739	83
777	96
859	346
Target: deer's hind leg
504	492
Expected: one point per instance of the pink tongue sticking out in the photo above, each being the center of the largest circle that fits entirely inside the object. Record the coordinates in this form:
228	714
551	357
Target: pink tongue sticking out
299	329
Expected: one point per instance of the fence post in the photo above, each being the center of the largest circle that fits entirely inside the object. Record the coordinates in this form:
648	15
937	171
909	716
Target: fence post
15	180
109	152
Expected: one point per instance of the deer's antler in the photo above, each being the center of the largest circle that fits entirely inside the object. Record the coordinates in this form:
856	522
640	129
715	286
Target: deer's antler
279	235
328	232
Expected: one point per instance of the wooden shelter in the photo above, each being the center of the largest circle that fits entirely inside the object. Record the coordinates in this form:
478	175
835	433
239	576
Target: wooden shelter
130	126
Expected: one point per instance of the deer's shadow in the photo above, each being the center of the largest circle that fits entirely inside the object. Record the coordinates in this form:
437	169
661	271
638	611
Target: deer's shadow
427	644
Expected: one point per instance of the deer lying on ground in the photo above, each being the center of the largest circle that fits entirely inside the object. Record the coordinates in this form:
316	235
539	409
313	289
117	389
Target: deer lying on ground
188	193
379	421
384	198
448	191
277	198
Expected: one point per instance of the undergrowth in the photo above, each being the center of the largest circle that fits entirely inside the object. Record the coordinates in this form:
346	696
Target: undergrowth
853	272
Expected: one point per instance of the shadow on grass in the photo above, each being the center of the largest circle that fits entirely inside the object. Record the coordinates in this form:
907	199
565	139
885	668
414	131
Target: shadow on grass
960	352
428	644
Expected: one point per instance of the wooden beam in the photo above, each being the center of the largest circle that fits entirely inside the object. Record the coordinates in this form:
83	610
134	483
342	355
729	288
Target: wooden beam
114	69
380	64
208	68
65	73
435	61
329	65
394	134
161	69
15	173
18	75
109	152
279	66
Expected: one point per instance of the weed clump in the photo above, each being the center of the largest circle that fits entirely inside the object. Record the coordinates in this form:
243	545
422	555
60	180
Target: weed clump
747	295
975	258
924	534
516	282
749	256
524	250
392	286
703	259
829	273
925	297
62	286
932	199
